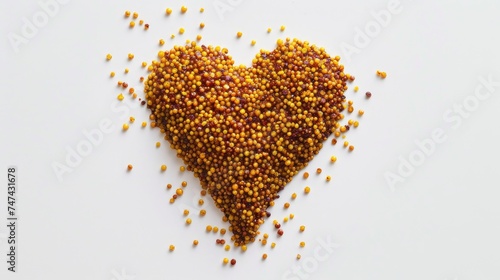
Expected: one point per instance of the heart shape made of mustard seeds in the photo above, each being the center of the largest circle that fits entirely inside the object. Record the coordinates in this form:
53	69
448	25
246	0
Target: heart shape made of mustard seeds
246	131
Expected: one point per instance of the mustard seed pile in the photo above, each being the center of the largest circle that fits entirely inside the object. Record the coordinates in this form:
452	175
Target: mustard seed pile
245	132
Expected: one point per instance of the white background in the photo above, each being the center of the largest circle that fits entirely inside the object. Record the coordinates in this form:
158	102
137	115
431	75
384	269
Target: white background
101	222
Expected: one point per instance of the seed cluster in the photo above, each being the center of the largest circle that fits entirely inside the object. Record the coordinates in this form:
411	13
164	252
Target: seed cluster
245	132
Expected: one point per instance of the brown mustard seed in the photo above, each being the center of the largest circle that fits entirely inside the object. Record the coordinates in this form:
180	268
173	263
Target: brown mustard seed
227	127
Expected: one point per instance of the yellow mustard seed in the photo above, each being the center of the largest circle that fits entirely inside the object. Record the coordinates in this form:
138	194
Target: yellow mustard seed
307	190
168	11
269	30
171	248
112	74
264	242
125	126
286	205
202	10
302	244
144	124
227	247
179	192
120	97
346	144
361	112
298	256
285	219
161	42
239	34
243	248
351	148
144	64
182	168
188	221
356	88
129	167
200	201
184	9
264	256
294	195
328	178
306	175
355	124
215	229
130	56
169	186
265	235
282	28
186	212
184	184
135	15
141	22
203	212
172	36
126	70
253	42
163	167
198	37
333	159
209	228
131	24
172	200
318	171
225	261
222	231
158	144
273	245
291	216
202	25
302	228
131	119
195	242
181	30
109	56
127	13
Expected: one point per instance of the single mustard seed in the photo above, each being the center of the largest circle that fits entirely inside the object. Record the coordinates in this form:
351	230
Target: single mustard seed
172	200
141	22
146	26
269	30
351	148
144	64
144	124
169	186
294	195
302	244
195	242
244	248
361	112
302	228
179	191
264	242
181	30
184	9
198	37
282	28
318	171
158	144
225	261
306	175
222	231
135	15
127	13
109	56
182	168
273	245
355	124
333	159
162	42
346	144
202	10
130	56
188	221
265	235
202	25
112	74
227	247
129	167
209	228
186	212
239	34
286	205
184	184
285	219
233	262
126	70
131	24
200	202
168	11
203	212
215	229
298	256
328	178
171	248
163	167
253	42
307	190
356	88
131	119
120	97
264	256
291	216
125	126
